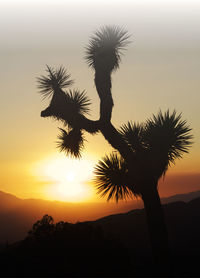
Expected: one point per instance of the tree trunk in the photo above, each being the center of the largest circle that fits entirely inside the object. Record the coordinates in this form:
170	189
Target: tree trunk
157	230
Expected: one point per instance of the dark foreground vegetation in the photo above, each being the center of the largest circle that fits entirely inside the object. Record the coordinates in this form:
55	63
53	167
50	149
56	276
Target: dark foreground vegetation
65	250
113	246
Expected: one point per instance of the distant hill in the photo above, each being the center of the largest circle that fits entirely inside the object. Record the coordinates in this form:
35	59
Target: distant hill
122	250
181	197
183	222
18	215
182	219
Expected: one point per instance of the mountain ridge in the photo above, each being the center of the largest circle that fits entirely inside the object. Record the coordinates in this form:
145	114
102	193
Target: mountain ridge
18	215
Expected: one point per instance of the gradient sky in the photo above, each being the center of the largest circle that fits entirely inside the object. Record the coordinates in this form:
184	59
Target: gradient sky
159	70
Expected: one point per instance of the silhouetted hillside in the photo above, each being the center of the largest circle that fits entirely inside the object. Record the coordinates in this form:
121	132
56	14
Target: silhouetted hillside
183	221
17	215
114	245
64	250
181	197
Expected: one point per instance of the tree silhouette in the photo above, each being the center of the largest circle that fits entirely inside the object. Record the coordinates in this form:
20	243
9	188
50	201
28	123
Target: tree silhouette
42	228
144	151
71	250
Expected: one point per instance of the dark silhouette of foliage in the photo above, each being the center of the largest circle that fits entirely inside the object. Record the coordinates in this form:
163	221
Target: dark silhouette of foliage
71	142
157	143
80	101
66	250
145	151
42	228
105	48
56	78
111	178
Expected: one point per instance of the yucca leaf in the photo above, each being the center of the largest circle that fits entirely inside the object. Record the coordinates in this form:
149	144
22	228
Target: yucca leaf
71	142
167	133
110	178
78	102
158	142
167	138
105	47
56	78
132	133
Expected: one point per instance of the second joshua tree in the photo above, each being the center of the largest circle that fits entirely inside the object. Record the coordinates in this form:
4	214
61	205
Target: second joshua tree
144	151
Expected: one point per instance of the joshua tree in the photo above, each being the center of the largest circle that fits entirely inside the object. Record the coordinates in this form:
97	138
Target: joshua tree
143	152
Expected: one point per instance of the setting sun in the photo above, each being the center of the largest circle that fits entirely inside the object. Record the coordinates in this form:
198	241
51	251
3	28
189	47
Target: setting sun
71	176
67	178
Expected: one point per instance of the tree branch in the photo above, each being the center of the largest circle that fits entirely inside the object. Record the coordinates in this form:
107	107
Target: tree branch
103	86
79	121
110	133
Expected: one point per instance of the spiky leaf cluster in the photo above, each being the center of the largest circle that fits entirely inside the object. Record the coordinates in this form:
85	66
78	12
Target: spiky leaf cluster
104	49
167	134
157	143
56	78
132	133
68	106
111	177
71	142
78	102
164	135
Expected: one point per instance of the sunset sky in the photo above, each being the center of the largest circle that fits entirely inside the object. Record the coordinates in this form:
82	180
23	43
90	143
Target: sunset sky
159	70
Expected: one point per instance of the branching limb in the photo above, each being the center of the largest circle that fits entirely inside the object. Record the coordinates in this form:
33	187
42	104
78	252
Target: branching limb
79	121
